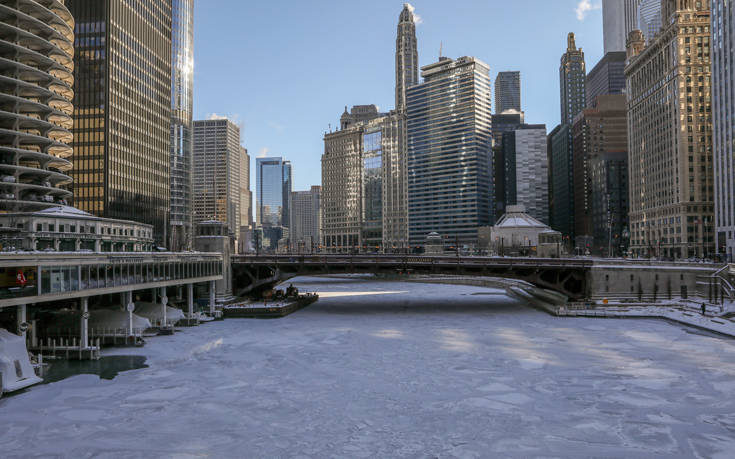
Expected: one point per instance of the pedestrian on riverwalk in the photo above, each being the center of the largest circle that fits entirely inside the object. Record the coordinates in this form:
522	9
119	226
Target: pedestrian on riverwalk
704	308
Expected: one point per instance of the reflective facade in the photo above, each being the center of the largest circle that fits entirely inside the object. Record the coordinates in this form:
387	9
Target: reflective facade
670	137
526	170
372	188
216	175
450	189
562	182
274	184
246	196
36	78
182	87
122	110
649	19
723	112
507	92
608	77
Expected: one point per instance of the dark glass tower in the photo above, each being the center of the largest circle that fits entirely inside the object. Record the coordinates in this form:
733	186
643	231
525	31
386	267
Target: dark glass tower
122	109
182	79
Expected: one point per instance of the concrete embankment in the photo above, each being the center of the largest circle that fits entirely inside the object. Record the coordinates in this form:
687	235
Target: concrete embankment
716	319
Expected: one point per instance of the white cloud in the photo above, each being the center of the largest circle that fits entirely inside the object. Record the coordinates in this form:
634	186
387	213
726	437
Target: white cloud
416	18
584	7
263	152
214	116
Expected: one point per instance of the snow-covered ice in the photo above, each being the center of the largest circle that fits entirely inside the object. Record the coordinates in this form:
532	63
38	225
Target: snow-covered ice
411	370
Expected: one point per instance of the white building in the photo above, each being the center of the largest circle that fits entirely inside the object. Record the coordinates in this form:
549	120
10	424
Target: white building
519	234
723	109
613	25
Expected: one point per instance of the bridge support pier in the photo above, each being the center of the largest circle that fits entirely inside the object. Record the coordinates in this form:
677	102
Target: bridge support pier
84	326
212	291
22	310
164	305
130	306
190	300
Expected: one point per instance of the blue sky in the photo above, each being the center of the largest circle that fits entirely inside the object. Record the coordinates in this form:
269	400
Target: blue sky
284	70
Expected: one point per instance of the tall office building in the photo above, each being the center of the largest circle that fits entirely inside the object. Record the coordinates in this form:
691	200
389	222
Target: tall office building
246	196
613	25
598	130
526	170
122	110
630	9
670	137
502	124
608	173
572	79
182	89
561	162
274	184
507	92
608	77
35	105
449	151
305	220
649	19
723	109
216	174
407	56
342	189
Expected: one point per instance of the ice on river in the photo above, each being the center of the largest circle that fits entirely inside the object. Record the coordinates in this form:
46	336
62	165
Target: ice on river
410	370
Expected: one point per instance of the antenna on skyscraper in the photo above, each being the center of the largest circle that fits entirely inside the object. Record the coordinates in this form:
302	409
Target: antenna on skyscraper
441	45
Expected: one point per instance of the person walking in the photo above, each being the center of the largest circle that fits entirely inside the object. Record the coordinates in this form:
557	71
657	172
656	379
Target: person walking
704	308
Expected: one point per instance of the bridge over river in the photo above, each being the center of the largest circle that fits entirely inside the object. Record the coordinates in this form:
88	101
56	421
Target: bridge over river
577	279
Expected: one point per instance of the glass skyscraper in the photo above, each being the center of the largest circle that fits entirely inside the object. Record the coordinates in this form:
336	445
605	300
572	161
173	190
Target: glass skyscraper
507	92
122	110
274	187
449	129
723	114
182	77
372	188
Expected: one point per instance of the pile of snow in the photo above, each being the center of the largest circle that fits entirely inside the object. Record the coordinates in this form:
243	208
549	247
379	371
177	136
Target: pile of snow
154	312
16	371
109	319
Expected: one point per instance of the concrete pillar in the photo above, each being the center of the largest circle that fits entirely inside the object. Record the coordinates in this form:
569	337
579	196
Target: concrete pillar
21	319
98	245
212	288
130	308
84	339
154	294
190	299
77	244
164	303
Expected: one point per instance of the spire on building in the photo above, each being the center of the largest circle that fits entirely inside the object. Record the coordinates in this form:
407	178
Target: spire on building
407	58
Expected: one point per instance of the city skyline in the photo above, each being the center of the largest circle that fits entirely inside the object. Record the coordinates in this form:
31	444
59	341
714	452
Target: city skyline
458	31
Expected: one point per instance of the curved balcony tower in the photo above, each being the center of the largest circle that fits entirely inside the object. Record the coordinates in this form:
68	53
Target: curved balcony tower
36	80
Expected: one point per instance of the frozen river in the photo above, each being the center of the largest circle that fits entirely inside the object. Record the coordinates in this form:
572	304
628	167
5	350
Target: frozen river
403	370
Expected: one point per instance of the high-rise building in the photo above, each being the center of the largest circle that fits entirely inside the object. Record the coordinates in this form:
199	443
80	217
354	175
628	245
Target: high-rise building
407	57
507	92
572	81
305	220
562	181
526	170
246	196
182	89
630	8
613	25
598	130
649	19
502	124
608	77
723	109
449	151
35	105
216	174
608	172
670	137
122	110
274	184
342	189
358	114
